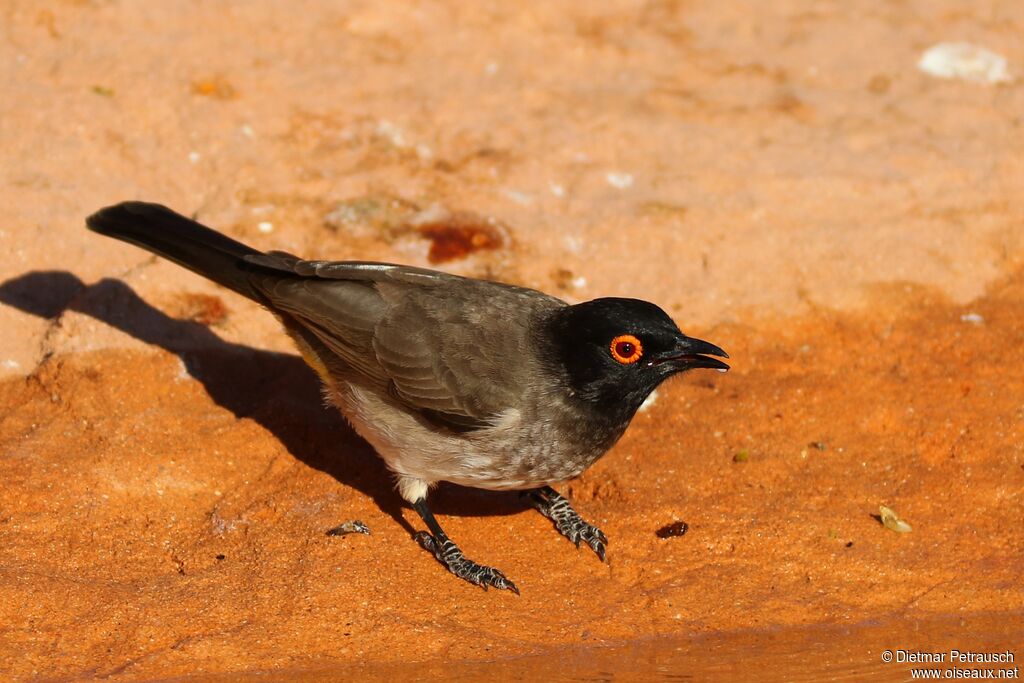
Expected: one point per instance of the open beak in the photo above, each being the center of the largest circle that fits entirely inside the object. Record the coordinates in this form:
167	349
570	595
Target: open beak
693	353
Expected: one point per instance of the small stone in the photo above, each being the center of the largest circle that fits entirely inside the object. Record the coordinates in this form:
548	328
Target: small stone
350	527
972	318
965	62
672	530
620	180
892	521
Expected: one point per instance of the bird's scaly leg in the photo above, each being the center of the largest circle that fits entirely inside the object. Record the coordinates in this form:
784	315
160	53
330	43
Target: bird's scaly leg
552	505
448	554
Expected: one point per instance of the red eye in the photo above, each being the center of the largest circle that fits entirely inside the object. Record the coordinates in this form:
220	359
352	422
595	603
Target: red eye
626	349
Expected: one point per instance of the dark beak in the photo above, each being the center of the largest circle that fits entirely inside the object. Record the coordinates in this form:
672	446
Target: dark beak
693	353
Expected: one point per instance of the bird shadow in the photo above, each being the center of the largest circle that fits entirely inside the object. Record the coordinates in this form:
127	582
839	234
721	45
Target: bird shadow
277	390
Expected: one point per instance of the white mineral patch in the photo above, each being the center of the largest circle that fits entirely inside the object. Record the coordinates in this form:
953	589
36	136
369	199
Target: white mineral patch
965	61
182	375
973	318
573	243
620	180
388	130
518	196
424	152
435	213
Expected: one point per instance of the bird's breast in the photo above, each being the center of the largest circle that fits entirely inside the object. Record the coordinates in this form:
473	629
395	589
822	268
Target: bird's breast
524	448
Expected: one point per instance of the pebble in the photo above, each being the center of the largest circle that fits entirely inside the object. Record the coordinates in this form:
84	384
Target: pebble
965	62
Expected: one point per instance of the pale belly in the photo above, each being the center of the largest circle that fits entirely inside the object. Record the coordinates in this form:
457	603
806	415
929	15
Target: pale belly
514	454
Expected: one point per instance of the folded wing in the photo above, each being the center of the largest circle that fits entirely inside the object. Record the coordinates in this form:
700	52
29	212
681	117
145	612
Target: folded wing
422	335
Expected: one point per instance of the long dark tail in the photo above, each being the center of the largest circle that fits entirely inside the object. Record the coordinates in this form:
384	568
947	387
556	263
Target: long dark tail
182	240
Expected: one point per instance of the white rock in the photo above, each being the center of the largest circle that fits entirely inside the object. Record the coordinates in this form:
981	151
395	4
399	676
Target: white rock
620	180
573	243
388	130
518	196
964	61
973	318
424	152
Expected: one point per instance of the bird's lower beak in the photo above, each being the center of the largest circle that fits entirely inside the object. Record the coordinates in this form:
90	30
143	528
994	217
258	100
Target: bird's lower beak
693	353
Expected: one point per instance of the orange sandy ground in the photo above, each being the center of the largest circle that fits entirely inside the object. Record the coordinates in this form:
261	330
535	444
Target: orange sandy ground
780	177
126	478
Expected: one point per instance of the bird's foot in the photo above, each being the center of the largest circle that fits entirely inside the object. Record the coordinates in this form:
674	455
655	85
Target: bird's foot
555	507
448	554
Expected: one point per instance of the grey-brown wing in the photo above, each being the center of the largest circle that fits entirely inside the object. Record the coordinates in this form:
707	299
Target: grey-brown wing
464	350
336	301
341	315
453	348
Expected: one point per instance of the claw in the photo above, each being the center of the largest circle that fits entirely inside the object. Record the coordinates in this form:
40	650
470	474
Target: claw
426	541
567	521
448	554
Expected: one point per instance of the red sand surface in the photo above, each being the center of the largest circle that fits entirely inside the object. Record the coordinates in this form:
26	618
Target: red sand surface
780	177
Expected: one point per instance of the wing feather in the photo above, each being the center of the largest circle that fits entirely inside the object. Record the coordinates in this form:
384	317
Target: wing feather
426	337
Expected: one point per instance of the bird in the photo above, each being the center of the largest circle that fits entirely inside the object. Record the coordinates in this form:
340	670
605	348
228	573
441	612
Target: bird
450	379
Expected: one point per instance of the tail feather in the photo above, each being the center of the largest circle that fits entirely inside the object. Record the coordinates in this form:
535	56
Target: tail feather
182	240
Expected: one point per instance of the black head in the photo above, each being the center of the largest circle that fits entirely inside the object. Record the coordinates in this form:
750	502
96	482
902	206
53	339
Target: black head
616	351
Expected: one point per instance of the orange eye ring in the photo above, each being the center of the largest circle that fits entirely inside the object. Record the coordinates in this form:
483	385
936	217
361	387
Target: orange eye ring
626	349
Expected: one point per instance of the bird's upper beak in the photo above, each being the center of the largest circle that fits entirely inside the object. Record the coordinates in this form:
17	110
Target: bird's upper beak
693	353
